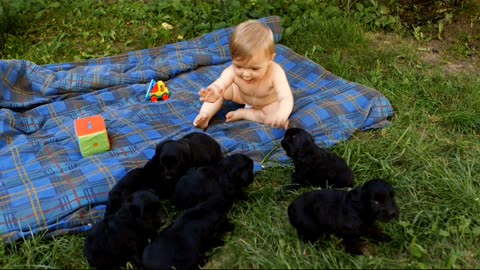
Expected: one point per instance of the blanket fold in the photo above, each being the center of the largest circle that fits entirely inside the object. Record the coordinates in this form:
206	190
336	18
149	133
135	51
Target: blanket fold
47	186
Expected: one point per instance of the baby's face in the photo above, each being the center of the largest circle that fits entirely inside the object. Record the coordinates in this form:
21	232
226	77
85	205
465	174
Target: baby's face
254	68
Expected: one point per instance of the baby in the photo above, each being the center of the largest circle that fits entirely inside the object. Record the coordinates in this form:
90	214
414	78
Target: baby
253	79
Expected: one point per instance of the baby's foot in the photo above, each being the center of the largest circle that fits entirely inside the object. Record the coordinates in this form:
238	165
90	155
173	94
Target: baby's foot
201	121
234	116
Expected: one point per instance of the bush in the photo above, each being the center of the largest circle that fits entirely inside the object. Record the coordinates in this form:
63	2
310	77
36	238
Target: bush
16	15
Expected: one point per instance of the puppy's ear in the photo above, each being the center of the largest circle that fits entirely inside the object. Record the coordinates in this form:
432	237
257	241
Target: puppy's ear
158	149
186	153
245	176
147	214
239	169
134	210
301	139
317	210
151	164
228	187
159	146
357	195
309	137
153	212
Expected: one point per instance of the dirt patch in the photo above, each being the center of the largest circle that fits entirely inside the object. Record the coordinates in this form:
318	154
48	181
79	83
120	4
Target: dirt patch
457	50
459	46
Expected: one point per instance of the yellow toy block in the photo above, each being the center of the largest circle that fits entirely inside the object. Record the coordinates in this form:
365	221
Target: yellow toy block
92	135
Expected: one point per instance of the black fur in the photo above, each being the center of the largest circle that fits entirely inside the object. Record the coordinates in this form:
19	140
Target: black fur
194	149
227	178
346	214
145	178
160	174
315	166
184	244
121	237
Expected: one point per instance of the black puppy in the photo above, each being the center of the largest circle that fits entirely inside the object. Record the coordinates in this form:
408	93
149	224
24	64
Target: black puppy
145	178
121	237
161	172
228	177
197	230
346	214
174	157
314	165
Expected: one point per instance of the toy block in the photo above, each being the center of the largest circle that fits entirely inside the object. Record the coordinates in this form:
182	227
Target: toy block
92	135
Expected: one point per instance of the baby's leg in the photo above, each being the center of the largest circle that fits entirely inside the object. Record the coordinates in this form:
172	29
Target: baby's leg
256	115
246	114
206	113
233	94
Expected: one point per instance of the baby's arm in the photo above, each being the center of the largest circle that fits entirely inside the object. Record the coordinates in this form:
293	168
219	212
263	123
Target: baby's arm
217	88
284	99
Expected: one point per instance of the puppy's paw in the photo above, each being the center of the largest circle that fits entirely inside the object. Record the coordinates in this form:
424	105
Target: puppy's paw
354	247
307	238
225	226
228	227
354	251
378	235
382	237
241	196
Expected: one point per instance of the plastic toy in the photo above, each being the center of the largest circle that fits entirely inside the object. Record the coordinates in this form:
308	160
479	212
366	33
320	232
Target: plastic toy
157	91
92	135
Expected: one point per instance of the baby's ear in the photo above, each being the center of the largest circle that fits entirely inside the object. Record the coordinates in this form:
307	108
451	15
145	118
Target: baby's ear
272	57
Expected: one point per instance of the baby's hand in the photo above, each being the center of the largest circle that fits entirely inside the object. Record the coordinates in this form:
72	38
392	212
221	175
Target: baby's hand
210	94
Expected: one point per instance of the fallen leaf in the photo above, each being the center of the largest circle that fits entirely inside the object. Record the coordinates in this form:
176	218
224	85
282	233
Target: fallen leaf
167	26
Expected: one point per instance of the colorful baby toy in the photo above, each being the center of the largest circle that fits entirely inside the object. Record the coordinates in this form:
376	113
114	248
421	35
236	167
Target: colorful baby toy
157	91
92	135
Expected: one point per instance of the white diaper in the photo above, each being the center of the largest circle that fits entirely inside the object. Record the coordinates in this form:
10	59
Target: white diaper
248	106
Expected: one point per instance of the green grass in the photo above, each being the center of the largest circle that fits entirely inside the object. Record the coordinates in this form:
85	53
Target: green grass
430	152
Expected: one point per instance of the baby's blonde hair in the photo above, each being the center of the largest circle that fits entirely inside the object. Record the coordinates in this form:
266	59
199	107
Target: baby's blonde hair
250	36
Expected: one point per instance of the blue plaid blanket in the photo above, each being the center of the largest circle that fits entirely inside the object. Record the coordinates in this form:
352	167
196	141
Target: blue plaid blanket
46	186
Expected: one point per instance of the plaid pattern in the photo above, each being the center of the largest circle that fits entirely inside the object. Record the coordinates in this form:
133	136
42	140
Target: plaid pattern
47	186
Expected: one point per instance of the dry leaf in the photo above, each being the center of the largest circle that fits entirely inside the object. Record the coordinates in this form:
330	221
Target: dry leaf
167	26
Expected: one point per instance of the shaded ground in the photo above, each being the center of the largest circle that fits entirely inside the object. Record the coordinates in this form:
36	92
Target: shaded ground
457	50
